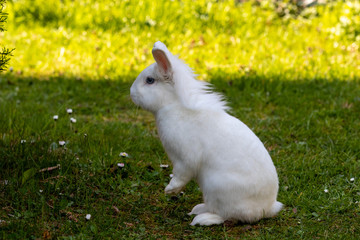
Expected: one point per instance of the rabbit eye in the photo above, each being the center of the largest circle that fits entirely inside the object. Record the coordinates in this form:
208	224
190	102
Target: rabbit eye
150	80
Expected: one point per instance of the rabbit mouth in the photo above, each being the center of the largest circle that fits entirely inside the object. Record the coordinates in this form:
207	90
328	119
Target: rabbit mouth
134	98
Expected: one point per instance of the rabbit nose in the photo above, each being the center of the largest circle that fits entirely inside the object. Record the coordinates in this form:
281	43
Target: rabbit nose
132	89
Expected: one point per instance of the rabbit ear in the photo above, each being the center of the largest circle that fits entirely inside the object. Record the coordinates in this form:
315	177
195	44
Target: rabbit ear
162	60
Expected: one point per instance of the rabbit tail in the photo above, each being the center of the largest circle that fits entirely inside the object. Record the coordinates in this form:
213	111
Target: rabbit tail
275	208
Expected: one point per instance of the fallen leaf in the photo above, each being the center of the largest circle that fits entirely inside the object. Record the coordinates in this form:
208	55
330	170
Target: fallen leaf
128	224
116	209
246	228
70	215
46	235
49	168
52	178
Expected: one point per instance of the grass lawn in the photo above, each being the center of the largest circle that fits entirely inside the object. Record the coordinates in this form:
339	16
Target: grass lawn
303	103
310	127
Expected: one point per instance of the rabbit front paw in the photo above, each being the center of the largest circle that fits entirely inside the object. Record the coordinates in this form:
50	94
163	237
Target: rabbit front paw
174	186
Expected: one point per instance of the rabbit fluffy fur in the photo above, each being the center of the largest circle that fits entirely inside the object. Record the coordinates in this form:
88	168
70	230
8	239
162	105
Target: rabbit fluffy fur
231	165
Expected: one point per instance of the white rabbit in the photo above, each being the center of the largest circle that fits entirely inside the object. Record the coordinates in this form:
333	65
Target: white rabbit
231	165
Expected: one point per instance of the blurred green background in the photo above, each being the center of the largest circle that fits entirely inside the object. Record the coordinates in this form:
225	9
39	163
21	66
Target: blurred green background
113	39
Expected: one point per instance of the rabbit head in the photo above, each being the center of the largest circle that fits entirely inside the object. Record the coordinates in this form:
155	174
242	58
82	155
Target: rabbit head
169	81
153	88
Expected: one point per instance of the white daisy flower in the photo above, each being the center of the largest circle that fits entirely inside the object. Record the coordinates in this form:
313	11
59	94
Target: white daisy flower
69	111
326	190
40	190
88	216
55	117
73	120
123	154
62	143
352	179
120	165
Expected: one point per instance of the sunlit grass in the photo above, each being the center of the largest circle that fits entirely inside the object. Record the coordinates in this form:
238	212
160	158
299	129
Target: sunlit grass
111	40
